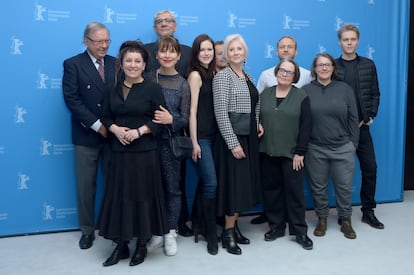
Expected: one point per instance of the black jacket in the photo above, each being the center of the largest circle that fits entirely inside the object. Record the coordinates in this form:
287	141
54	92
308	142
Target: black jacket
367	90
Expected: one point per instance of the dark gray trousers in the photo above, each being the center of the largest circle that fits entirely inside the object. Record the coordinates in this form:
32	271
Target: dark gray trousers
323	163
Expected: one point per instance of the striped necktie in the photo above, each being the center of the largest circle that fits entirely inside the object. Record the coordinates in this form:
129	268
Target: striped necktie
101	69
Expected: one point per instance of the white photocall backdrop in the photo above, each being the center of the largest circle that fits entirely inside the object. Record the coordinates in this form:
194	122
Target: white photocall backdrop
37	184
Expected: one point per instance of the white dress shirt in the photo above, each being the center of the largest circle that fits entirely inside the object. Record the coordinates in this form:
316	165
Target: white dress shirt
268	79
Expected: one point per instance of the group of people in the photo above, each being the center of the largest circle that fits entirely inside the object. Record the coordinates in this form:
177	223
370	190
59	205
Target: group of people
250	143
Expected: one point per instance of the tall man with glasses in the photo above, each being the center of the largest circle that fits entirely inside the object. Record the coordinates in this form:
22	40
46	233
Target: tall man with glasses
165	25
286	47
87	78
361	74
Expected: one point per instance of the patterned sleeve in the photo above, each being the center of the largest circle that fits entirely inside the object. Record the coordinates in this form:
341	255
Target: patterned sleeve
221	95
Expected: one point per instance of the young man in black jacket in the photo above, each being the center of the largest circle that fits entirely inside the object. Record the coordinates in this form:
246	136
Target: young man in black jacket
361	74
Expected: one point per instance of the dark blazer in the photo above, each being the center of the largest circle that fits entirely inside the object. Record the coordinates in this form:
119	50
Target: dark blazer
84	91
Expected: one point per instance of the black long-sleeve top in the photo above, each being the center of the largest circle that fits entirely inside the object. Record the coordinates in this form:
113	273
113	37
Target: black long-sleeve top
133	112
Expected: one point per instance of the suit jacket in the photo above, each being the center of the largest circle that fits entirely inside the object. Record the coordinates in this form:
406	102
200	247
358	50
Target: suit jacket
84	91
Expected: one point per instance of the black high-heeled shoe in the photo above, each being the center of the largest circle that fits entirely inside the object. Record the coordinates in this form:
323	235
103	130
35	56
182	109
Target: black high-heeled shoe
239	238
197	228
120	252
228	242
139	254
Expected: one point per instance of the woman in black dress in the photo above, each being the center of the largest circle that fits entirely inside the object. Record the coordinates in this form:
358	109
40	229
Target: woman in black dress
133	204
236	106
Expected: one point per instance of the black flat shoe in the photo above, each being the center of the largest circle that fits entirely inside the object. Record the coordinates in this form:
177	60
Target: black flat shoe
304	241
184	230
120	252
86	241
273	234
368	217
139	254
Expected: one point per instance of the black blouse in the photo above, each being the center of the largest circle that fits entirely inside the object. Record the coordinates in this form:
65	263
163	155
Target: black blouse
133	112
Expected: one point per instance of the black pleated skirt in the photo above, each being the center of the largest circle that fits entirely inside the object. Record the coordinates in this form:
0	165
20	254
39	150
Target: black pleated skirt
133	204
238	187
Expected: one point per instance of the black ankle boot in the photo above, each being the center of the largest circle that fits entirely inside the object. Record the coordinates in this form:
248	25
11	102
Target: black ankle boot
240	239
120	252
139	254
209	210
228	242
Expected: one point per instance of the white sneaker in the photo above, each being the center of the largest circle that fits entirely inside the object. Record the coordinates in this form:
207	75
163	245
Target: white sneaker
170	243
154	243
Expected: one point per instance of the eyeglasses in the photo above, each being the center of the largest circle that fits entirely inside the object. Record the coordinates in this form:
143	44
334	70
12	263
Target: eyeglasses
282	71
166	20
327	65
99	42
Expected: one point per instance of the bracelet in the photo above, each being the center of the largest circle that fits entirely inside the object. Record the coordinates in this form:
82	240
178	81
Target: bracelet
139	132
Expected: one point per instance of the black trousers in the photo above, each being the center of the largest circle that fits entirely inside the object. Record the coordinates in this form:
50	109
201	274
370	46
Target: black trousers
283	195
368	165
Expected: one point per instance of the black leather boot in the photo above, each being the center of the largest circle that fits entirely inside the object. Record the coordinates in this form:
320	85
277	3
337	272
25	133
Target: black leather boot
120	252
240	239
139	254
209	210
197	217
228	242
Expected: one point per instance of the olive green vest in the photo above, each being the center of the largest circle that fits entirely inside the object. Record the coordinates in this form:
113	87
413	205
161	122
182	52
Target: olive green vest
281	124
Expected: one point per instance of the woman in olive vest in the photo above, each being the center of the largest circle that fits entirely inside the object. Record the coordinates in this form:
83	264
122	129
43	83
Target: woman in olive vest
285	117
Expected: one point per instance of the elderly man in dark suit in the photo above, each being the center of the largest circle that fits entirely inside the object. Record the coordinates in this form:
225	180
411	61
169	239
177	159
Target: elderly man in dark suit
87	78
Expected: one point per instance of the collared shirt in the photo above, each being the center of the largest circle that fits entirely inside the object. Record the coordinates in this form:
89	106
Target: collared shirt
268	79
94	59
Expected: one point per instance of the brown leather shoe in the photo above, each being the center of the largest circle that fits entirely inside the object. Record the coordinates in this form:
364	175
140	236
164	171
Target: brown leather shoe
347	229
320	229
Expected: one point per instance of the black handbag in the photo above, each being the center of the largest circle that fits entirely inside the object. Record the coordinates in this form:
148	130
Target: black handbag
181	146
240	123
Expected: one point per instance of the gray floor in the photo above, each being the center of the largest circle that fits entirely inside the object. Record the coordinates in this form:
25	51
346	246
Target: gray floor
388	251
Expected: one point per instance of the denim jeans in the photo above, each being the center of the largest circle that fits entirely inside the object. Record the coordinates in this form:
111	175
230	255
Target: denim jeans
204	170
